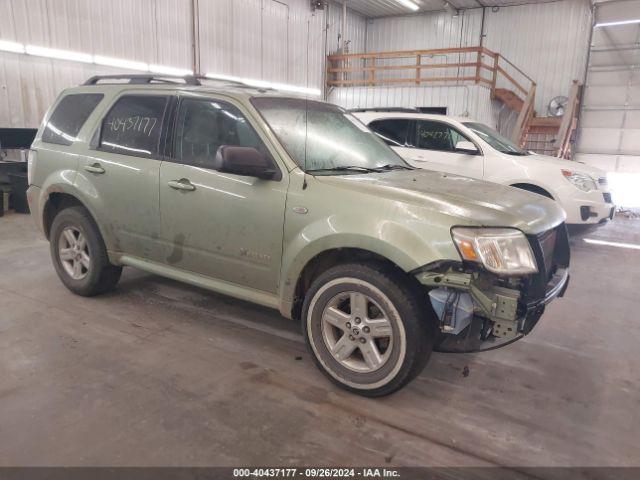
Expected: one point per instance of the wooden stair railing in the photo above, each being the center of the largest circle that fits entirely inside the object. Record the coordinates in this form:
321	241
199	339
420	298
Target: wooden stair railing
465	65
525	115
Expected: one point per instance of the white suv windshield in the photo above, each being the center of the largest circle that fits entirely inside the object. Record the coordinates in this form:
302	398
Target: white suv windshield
325	139
493	138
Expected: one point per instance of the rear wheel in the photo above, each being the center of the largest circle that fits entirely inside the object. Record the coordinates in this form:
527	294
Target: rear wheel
367	328
79	254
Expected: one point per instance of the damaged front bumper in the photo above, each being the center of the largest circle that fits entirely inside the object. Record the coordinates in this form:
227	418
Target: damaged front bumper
499	315
479	310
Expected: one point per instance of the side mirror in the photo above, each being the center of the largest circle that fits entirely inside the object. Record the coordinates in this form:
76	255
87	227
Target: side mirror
245	161
466	147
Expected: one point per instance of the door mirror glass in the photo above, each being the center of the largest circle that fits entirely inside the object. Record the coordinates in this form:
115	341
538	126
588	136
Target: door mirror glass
465	146
245	161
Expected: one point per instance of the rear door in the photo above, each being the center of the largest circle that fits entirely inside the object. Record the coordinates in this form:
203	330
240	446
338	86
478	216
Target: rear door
225	226
433	146
121	172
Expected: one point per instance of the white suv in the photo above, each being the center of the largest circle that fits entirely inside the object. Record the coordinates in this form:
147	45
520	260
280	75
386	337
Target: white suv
464	147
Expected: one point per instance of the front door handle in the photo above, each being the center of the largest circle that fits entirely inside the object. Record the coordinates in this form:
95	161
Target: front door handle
95	168
182	184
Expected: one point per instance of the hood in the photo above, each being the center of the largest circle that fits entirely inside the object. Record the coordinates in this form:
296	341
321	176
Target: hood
569	165
467	201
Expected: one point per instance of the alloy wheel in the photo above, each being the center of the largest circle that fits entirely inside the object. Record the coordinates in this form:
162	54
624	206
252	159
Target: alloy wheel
357	332
73	252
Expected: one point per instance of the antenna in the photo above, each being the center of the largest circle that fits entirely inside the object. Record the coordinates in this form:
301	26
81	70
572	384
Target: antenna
306	112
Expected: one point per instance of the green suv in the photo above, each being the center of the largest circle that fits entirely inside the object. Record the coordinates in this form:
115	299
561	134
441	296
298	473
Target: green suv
296	205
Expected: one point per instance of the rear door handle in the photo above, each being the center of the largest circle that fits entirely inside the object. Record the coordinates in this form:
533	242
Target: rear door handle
95	168
182	184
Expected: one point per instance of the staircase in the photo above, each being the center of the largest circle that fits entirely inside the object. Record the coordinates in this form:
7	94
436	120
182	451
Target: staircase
544	135
464	65
509	98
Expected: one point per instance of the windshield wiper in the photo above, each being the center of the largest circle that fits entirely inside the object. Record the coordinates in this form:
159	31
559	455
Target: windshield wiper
347	168
391	166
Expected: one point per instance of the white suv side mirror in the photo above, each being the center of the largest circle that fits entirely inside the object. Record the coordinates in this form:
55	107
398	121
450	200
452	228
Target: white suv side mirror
464	146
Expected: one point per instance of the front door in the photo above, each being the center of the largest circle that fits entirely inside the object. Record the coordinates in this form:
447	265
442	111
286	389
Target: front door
228	227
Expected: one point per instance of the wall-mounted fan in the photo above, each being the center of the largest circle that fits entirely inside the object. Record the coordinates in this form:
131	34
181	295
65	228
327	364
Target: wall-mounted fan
557	106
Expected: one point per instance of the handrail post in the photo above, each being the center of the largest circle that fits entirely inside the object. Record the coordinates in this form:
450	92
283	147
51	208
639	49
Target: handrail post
418	74
565	130
478	64
494	77
524	117
372	72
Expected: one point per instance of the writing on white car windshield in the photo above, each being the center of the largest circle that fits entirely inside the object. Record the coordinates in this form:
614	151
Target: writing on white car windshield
493	138
324	139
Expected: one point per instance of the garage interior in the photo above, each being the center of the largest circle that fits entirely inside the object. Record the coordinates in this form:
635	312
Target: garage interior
160	373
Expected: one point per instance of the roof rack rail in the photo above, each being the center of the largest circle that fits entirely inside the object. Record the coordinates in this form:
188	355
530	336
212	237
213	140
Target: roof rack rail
146	78
386	109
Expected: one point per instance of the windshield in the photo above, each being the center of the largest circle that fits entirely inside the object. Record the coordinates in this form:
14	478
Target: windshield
493	138
325	139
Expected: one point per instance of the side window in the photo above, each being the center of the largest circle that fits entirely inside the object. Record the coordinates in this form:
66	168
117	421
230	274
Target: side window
437	136
69	117
204	126
133	126
392	131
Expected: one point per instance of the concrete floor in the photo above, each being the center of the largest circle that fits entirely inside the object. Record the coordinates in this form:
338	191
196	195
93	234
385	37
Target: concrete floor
160	373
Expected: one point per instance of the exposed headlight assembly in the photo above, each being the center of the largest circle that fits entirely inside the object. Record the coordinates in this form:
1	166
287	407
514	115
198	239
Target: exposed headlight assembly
505	251
580	180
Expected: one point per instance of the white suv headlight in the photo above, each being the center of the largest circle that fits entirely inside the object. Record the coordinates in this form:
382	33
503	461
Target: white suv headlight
505	251
580	180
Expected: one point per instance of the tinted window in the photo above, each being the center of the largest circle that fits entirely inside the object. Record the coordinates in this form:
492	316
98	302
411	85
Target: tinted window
392	131
133	126
69	116
204	126
437	136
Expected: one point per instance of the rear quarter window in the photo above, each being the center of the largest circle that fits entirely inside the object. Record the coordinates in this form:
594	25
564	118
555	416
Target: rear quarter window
69	116
133	125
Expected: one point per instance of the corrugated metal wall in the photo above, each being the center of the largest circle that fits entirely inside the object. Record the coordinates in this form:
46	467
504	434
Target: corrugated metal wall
432	30
265	39
462	100
548	41
356	33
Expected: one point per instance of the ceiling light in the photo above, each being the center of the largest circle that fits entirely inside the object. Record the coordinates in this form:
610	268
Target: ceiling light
410	5
633	246
264	84
14	47
119	63
161	69
620	22
59	54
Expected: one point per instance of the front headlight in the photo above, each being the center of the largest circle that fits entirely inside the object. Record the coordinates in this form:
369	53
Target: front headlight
505	251
580	180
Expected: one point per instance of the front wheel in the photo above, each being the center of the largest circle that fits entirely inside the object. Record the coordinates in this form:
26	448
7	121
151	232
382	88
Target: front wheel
368	328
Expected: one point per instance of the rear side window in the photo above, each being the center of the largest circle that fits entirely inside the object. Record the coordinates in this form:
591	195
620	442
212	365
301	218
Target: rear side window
133	126
392	131
69	116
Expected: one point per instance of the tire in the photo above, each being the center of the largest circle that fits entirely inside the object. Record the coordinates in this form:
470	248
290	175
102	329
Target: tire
82	266
401	325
